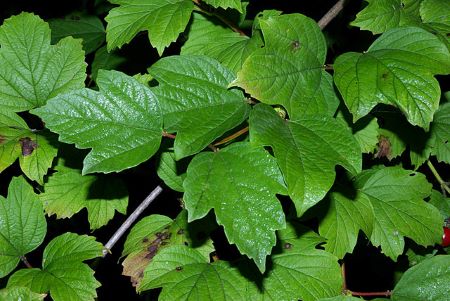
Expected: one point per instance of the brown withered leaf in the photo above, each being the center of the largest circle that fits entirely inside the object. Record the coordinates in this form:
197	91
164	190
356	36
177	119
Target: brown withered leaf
2	139
384	147
28	146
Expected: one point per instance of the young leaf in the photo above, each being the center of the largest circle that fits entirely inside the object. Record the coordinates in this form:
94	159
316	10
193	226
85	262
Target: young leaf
397	196
381	15
236	4
208	37
288	70
67	192
155	233
343	220
429	280
164	20
22	224
34	71
239	183
307	151
184	274
195	101
16	293
398	70
302	272
88	28
63	272
122	123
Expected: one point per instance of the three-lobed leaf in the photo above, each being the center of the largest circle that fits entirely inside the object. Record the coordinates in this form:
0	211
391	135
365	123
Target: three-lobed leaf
22	224
239	182
307	151
34	71
63	272
122	123
398	70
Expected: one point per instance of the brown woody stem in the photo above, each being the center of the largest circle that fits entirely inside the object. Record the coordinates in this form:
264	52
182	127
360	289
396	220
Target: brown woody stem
331	14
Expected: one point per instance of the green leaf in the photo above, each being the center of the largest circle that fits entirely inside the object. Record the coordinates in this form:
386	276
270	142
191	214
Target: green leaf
88	28
439	141
155	233
164	20
440	202
22	224
33	70
398	70
239	183
10	119
307	151
397	197
435	11
10	147
105	60
342	298
343	220
195	101
209	37
167	170
122	123
236	4
289	67
381	15
302	272
63	274
67	192
184	274
367	135
16	293
38	152
429	280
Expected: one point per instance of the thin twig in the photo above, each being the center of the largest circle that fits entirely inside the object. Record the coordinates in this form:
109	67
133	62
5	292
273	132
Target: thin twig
25	261
232	136
370	294
331	14
171	136
130	220
444	185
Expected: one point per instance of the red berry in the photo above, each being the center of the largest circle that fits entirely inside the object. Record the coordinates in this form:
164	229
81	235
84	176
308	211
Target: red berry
446	237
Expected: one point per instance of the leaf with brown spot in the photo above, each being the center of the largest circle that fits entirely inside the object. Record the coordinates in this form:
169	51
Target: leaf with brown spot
156	232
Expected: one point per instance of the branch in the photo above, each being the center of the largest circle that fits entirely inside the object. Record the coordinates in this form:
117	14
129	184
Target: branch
131	219
444	185
331	14
172	136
